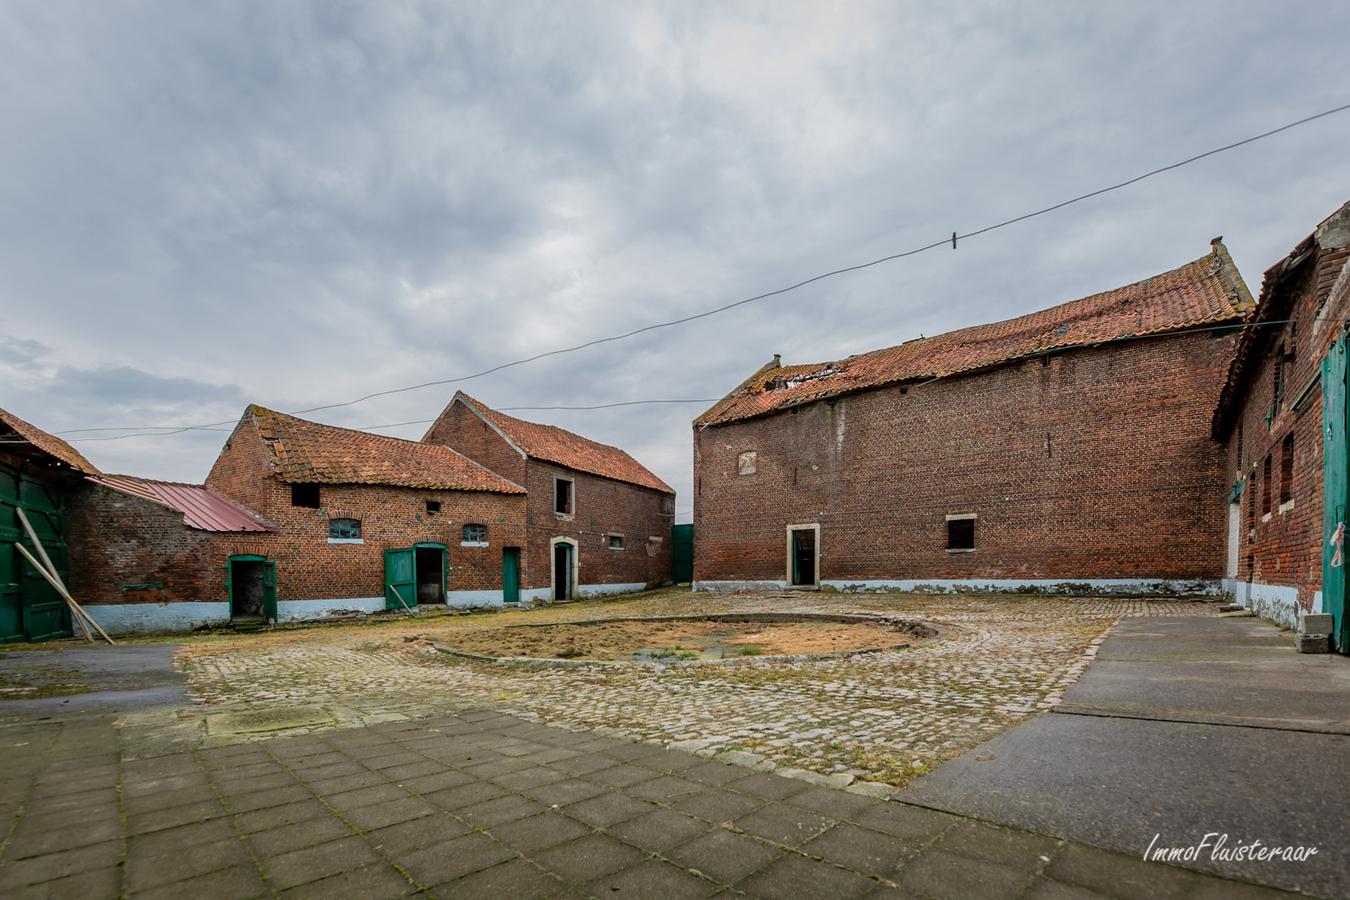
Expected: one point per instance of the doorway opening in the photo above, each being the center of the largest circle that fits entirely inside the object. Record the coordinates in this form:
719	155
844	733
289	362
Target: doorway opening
247	589
803	555
430	575
564	559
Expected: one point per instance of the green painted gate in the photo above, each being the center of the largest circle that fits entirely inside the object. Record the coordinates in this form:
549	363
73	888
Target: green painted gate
682	553
511	575
1336	480
30	608
400	578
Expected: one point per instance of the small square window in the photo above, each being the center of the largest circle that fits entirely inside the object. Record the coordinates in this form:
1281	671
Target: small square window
616	542
344	529
961	534
562	496
306	495
433	506
474	533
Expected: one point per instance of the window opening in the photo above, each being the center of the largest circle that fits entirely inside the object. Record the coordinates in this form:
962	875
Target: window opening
474	533
1265	486
562	496
306	495
344	529
1287	469
616	542
433	506
961	534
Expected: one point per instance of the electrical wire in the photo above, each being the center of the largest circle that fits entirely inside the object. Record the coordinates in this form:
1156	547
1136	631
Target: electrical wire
953	240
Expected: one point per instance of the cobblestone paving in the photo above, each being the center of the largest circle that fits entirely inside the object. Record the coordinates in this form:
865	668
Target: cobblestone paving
880	718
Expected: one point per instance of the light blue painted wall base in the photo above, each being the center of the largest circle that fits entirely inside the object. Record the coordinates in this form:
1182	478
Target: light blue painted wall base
604	590
151	618
1273	602
303	610
717	586
1133	587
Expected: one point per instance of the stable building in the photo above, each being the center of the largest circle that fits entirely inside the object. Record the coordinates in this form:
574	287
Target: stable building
1282	415
361	522
38	472
598	522
1068	450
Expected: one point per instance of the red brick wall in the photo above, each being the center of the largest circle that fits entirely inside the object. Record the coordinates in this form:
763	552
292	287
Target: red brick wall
600	506
1284	547
117	541
1094	463
236	473
461	429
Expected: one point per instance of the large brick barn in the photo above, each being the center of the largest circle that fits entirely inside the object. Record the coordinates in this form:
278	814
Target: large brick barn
1283	416
598	520
1069	449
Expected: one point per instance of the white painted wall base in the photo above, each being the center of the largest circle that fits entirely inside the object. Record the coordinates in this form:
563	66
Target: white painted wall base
1274	602
1135	587
474	599
151	618
535	595
716	586
604	590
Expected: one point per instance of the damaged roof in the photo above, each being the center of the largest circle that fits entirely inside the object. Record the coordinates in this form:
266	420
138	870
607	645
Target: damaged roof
15	433
1206	292
552	444
303	451
1327	248
202	509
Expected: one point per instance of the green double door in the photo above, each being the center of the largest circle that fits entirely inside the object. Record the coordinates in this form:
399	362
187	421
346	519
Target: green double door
30	608
1336	487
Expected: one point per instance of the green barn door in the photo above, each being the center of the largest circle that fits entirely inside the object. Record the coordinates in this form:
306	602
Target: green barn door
682	553
1336	479
270	591
511	575
400	578
30	608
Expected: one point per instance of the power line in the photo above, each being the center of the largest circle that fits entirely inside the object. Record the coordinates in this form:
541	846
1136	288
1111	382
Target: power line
955	237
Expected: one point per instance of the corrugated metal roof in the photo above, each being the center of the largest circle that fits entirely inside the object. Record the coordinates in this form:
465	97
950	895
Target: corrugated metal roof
1201	293
201	508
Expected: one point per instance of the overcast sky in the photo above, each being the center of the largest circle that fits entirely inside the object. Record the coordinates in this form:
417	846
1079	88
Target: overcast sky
209	204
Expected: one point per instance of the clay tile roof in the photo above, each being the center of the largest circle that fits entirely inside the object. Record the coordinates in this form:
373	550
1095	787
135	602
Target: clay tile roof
309	452
51	446
1207	291
202	509
550	444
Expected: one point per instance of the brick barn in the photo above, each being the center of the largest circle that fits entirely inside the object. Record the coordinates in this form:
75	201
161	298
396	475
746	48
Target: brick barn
364	522
598	522
38	473
1282	414
150	556
1066	450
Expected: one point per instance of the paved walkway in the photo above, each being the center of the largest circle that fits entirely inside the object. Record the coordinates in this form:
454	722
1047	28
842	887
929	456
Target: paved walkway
484	804
1181	728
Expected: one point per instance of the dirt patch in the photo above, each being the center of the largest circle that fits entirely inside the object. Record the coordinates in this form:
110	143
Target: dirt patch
674	641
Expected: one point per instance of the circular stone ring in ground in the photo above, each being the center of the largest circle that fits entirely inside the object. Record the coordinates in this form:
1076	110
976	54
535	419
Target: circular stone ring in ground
689	640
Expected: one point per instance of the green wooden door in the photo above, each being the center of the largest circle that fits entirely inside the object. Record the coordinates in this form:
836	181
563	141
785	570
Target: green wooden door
1336	479
682	554
30	608
400	578
511	575
270	590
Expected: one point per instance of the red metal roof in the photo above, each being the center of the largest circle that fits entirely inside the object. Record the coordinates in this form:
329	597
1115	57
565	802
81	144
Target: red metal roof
309	452
201	509
552	444
1205	292
50	445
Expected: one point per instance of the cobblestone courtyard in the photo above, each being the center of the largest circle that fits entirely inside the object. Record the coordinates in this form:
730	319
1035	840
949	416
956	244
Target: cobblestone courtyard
880	718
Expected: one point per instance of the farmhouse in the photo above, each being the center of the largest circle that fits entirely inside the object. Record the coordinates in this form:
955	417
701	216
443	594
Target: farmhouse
598	522
1282	414
363	522
1066	450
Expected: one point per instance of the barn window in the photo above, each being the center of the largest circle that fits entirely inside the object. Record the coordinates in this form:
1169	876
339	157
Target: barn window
562	496
433	506
1265	486
616	542
473	533
1287	469
306	495
961	532
344	529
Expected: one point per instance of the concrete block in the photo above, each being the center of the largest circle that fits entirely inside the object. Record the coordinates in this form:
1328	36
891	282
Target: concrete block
1315	623
1314	643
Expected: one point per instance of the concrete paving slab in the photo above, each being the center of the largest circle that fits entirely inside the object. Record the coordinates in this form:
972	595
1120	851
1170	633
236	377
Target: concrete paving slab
71	679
